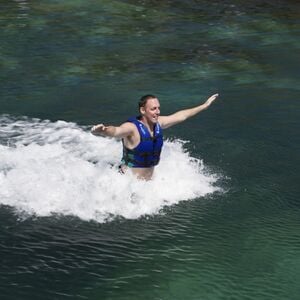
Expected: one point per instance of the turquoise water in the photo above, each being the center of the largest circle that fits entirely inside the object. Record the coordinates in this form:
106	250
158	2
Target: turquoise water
221	219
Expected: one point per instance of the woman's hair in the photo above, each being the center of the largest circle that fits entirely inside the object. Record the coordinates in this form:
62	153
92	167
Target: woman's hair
144	100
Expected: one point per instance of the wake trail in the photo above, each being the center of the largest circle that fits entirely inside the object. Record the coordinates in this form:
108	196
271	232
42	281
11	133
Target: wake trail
60	168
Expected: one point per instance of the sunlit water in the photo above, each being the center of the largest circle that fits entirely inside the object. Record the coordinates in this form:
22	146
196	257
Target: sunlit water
221	217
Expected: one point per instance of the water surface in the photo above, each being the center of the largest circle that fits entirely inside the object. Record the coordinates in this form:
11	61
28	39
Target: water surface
221	218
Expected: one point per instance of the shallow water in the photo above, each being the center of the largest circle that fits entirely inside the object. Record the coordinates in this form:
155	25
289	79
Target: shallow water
221	218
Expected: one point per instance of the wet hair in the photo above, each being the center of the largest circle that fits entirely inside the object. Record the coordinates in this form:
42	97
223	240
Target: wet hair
144	100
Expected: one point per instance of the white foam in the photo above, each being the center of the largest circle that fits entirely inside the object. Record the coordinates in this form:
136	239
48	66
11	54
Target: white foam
60	168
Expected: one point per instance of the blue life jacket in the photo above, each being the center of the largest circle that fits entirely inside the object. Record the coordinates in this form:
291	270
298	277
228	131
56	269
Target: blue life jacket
147	153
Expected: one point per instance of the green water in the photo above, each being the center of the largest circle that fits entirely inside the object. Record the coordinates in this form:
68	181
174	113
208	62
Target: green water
89	62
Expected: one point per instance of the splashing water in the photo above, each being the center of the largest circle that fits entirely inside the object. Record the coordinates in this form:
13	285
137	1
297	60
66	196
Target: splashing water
60	168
